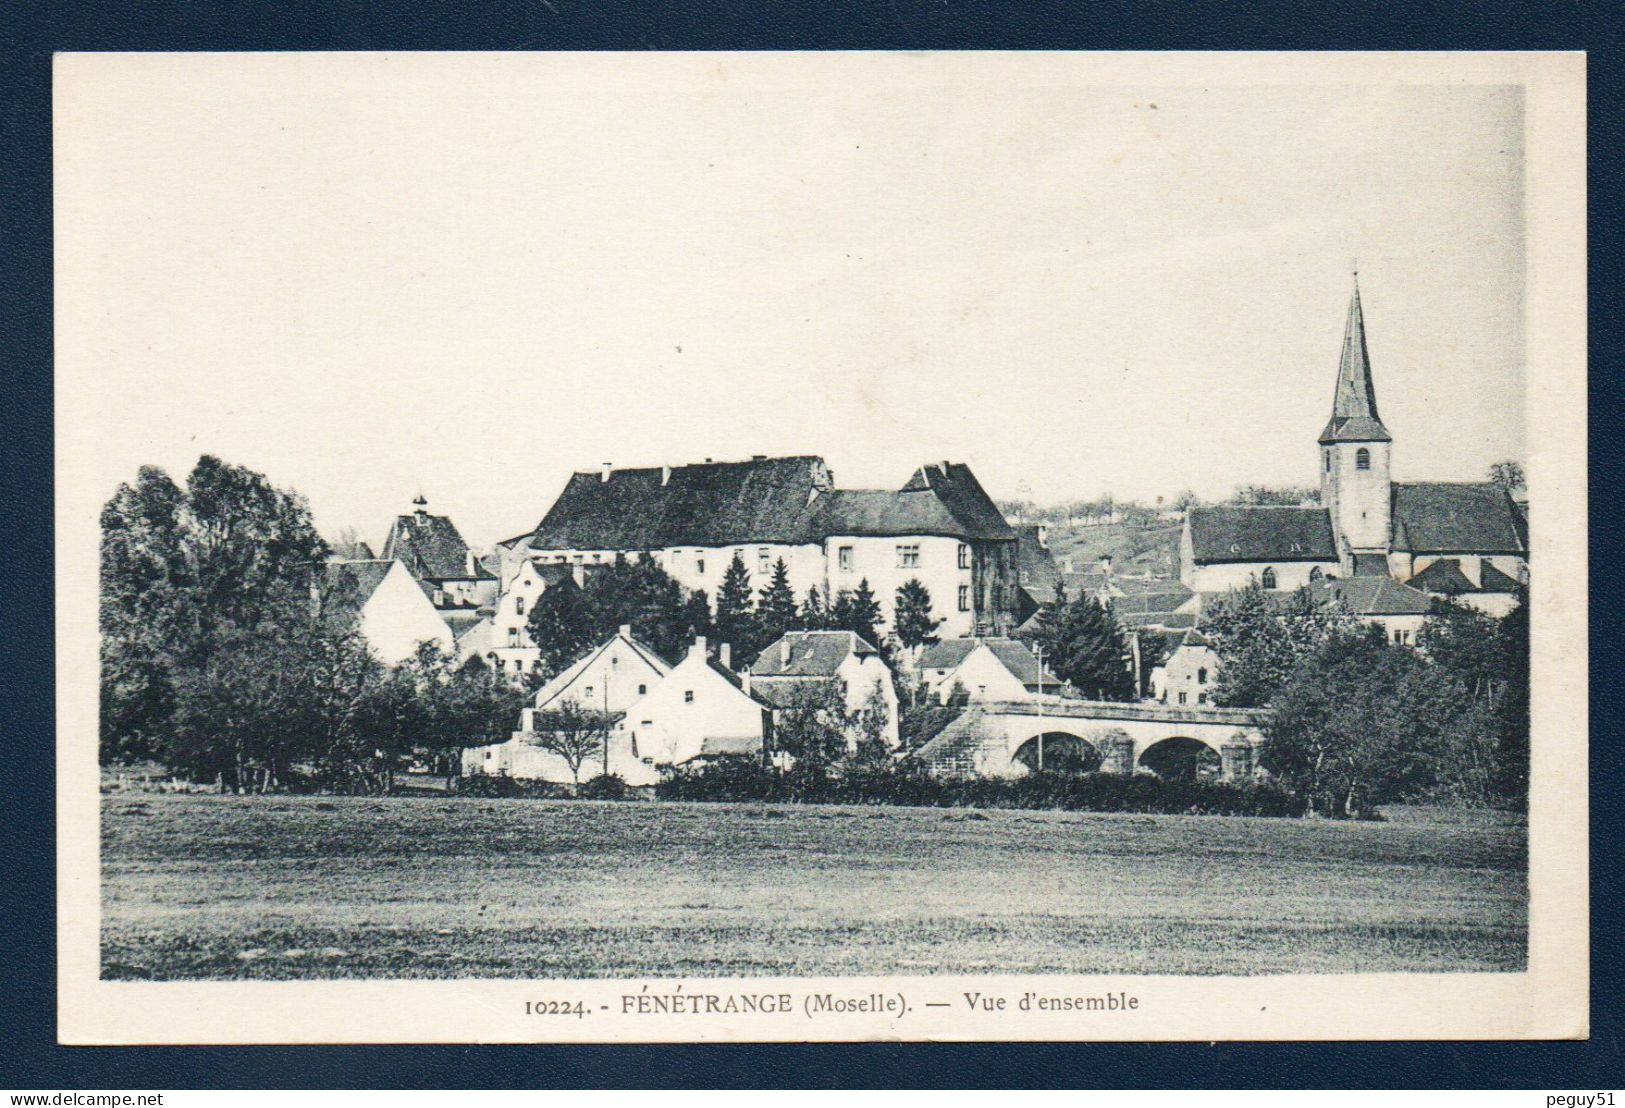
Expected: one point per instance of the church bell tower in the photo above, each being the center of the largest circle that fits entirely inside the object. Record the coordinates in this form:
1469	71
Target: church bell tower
1355	451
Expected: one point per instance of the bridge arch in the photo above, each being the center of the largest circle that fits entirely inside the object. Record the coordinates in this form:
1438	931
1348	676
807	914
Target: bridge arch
1181	758
1061	751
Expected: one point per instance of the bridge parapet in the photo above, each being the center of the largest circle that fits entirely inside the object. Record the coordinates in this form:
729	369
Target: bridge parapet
1063	707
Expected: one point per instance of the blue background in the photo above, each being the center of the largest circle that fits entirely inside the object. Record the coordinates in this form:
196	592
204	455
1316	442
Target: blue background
31	31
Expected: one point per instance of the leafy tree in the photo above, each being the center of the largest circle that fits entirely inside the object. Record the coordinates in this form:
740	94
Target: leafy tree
455	708
573	732
563	626
912	614
872	720
1511	720
1085	646
1255	496
736	617
185	571
776	607
1507	474
1261	640
1465	643
859	612
1363	721
813	727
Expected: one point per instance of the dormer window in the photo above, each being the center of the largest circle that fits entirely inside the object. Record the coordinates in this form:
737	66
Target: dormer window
1362	458
1267	578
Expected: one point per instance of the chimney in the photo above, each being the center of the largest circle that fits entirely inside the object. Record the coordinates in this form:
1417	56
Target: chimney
626	630
665	475
725	655
784	652
608	468
698	649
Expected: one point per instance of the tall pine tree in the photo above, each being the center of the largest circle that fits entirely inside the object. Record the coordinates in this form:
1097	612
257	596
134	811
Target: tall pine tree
912	618
859	612
1085	646
776	607
814	614
736	620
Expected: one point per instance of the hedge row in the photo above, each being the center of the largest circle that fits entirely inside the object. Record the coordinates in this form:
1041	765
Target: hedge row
1090	792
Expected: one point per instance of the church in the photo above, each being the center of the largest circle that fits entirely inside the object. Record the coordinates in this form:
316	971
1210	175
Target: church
1467	540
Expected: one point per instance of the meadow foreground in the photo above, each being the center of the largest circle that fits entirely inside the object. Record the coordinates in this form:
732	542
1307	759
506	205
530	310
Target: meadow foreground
356	887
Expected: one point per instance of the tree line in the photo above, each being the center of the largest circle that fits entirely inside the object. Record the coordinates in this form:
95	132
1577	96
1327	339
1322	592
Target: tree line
229	654
1357	719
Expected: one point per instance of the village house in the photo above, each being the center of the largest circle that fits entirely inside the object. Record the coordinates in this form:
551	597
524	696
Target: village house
986	668
785	672
456	581
1366	524
387	604
1399	610
1186	676
606	680
507	646
698	712
940	528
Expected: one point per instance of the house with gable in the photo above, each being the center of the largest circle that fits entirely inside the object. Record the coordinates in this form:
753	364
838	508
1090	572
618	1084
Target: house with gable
385	602
507	647
1186	675
940	528
1366	524
698	712
800	661
605	680
454	578
987	669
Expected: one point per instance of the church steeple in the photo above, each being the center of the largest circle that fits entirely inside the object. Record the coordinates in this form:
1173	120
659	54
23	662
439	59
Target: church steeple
1354	404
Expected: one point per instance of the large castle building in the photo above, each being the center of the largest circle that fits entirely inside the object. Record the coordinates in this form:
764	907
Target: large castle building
1468	540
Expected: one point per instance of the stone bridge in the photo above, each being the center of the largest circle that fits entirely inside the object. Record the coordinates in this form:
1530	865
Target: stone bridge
1014	737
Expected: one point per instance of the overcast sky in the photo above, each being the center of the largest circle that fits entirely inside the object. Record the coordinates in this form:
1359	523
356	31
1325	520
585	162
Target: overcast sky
369	276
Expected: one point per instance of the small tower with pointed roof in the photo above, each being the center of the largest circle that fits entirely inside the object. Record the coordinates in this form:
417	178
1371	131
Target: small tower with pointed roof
1355	458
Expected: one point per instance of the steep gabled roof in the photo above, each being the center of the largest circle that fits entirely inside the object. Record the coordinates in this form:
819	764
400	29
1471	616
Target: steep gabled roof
957	487
567	677
809	654
881	513
1437	517
1022	663
1228	534
349	583
1443	576
430	547
1373	596
1354	404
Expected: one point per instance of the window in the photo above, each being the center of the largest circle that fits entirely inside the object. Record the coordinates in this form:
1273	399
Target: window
964	556
844	557
641	690
518	605
1362	458
1201	698
1201	676
764	560
908	557
1182	697
1328	461
513	636
688	696
580	558
1267	579
589	692
699	566
964	598
1401	637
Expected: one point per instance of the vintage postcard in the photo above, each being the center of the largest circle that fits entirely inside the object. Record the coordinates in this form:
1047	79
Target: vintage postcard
796	547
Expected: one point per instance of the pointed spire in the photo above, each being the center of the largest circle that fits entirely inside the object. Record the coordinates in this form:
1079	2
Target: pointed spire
1354	405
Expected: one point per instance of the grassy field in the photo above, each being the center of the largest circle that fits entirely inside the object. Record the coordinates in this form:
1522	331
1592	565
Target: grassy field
303	887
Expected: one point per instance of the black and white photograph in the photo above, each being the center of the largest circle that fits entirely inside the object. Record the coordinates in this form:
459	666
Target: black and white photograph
1006	539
